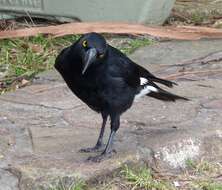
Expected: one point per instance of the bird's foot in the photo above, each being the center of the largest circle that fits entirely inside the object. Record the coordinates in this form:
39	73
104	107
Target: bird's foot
97	148
102	156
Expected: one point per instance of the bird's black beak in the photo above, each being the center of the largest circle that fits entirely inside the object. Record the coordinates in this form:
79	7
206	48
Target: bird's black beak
89	58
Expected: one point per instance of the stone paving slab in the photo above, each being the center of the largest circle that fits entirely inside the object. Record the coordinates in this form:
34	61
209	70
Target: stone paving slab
43	126
173	53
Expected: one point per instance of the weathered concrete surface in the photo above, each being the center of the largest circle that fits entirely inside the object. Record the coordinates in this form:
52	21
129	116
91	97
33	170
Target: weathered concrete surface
43	125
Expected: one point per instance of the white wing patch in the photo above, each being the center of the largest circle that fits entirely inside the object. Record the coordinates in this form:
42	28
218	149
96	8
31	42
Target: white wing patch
146	88
143	81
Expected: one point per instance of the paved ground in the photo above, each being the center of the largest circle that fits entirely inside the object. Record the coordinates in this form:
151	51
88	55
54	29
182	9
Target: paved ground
43	125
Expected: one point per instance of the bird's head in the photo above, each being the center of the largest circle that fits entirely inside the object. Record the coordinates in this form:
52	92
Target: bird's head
93	49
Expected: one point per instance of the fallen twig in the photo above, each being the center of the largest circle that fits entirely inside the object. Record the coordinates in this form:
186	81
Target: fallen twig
172	32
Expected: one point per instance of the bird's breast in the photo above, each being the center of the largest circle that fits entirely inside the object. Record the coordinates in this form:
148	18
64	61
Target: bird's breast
86	90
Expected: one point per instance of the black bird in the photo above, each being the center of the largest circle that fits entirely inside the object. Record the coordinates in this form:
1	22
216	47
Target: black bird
108	82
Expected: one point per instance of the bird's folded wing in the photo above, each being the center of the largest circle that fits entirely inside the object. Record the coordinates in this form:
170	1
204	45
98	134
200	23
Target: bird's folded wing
146	74
125	70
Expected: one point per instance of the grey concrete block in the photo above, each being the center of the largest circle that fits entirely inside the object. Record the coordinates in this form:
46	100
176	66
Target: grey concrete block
140	11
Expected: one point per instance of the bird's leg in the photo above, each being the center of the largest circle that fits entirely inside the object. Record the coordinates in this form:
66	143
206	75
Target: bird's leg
100	139
99	144
115	122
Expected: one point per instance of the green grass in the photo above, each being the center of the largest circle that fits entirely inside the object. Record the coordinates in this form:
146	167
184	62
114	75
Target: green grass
25	57
31	55
190	164
203	167
132	45
204	175
201	175
142	178
133	178
198	17
207	185
77	185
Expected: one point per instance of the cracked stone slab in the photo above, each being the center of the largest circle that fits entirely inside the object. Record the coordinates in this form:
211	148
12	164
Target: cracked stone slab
172	52
44	125
213	104
8	181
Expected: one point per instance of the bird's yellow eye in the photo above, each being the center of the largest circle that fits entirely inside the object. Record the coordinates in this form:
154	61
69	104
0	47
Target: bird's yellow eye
101	55
84	43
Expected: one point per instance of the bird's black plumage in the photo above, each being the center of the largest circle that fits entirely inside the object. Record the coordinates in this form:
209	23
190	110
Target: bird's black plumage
107	81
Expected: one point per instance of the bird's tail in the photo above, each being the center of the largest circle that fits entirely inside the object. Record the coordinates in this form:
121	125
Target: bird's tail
165	96
164	82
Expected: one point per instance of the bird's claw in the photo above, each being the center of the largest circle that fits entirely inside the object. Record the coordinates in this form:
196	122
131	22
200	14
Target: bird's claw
101	157
97	148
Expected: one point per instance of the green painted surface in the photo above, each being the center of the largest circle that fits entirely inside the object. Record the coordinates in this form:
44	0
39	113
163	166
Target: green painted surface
140	11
